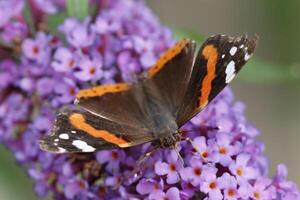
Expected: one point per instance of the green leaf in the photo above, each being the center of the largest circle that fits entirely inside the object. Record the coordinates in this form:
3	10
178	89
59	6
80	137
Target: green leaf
53	21
179	34
257	70
263	71
28	17
77	8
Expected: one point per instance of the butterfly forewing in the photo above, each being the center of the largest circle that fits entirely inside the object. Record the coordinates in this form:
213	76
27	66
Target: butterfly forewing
170	76
218	61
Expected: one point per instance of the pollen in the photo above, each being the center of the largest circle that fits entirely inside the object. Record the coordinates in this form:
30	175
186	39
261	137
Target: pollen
172	167
114	155
231	192
222	150
239	171
212	185
204	154
92	70
35	50
197	171
256	195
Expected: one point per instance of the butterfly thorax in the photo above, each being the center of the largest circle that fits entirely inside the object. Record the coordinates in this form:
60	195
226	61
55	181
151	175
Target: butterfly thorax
170	140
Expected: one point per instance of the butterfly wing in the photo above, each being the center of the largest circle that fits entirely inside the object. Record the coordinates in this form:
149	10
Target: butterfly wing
121	103
218	61
129	104
81	131
170	76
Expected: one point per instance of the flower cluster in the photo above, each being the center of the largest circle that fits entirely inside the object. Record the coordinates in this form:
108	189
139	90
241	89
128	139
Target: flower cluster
41	73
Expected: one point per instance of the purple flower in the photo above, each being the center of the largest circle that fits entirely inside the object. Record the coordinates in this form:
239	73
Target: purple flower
14	32
76	188
78	34
202	148
65	92
64	60
241	168
89	69
49	6
169	168
230	187
10	9
171	194
106	25
113	158
147	186
37	49
224	149
212	185
195	173
262	190
8	73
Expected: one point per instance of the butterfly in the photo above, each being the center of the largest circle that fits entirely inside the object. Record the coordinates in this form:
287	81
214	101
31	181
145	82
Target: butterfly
153	109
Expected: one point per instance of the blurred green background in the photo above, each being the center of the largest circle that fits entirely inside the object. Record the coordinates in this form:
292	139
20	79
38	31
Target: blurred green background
269	85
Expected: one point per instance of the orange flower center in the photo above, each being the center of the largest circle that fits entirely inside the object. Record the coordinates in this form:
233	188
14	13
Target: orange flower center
231	192
72	91
222	150
172	167
212	185
35	50
197	171
114	155
256	195
204	154
71	63
92	70
239	171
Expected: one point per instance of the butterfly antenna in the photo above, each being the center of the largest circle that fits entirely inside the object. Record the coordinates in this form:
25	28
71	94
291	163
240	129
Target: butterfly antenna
207	128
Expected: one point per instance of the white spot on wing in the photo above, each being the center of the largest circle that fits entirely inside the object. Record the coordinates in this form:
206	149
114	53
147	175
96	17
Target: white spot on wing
247	56
230	71
83	146
233	50
73	131
64	136
61	150
56	140
223	56
242	46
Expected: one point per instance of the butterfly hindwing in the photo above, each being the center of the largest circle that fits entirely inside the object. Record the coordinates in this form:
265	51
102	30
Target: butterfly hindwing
119	102
218	61
81	131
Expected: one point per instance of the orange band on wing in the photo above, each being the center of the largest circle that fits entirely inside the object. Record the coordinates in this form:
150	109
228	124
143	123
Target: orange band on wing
78	121
101	90
167	56
210	53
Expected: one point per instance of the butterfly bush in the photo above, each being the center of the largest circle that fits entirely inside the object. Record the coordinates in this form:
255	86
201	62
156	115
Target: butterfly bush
40	74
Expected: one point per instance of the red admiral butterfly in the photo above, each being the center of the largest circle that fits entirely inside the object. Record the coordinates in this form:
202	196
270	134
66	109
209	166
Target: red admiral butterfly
169	94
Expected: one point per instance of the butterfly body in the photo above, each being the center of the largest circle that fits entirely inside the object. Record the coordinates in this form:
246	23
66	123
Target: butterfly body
170	93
